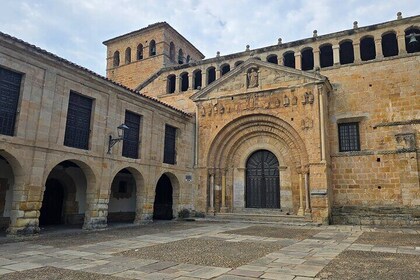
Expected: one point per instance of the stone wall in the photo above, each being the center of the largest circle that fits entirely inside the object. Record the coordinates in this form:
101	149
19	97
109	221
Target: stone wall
37	146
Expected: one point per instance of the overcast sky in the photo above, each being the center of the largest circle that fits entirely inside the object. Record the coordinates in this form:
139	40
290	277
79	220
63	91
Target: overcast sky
75	29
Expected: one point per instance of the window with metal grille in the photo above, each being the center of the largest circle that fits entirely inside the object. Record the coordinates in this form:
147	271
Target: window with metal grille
169	152
9	97
348	134
131	135
78	121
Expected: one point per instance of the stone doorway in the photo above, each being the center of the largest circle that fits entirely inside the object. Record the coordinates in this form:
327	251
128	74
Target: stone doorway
52	204
262	180
6	181
162	208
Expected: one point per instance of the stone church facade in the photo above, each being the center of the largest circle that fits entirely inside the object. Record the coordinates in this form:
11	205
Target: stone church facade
324	129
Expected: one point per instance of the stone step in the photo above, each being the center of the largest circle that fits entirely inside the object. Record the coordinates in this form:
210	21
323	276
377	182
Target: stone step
264	216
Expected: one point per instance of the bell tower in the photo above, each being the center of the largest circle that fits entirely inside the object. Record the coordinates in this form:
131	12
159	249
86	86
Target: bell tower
133	57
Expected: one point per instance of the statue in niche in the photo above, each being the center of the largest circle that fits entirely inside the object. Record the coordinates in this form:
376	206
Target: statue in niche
221	109
286	101
251	102
209	113
277	103
294	100
252	78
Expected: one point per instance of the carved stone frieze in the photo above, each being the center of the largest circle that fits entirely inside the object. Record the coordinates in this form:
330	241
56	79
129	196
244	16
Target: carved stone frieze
405	141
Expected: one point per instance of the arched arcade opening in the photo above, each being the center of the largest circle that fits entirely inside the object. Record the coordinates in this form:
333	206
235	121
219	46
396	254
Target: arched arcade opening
166	197
123	200
64	196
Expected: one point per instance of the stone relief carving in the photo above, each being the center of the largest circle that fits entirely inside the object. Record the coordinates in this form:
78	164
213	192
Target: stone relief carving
307	123
405	141
252	76
308	98
286	101
294	100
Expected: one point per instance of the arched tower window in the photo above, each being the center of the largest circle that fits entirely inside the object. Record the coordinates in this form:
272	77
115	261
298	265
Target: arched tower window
184	81
152	48
139	51
307	59
272	58
211	75
172	51
412	40
289	59
180	56
197	79
326	58
389	44
224	69
171	82
367	48
116	60
346	52
239	62
127	55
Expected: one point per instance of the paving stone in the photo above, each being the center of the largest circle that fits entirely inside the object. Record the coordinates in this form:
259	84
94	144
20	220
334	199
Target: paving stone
131	274
277	276
4	261
208	272
108	269
5	271
21	266
247	273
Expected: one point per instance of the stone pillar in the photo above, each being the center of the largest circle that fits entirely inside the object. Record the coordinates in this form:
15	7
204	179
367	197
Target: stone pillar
336	54
298	60
307	192
211	206
378	48
97	208
178	85
301	211
218	73
190	81
317	62
203	78
401	42
356	51
223	209
280	60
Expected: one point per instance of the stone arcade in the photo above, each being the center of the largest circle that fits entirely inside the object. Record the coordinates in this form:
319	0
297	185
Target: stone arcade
324	129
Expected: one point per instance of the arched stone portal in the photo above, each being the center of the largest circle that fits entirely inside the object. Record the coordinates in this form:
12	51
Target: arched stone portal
6	183
123	197
162	208
262	180
228	162
64	197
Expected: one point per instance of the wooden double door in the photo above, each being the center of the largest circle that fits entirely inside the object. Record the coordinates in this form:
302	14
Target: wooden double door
262	180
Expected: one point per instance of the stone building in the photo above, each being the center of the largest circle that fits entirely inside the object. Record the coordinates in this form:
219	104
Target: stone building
324	129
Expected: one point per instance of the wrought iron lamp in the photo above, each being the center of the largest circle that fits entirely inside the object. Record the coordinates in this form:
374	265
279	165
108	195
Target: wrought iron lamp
121	133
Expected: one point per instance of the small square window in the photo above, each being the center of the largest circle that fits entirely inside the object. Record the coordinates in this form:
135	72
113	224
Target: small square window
348	136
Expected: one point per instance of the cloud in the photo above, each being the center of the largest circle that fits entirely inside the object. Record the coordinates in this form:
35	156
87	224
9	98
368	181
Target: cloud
76	29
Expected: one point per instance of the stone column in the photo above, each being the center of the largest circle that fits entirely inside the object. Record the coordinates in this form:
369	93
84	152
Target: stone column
307	192
211	206
298	60
322	122
317	62
356	51
336	54
401	42
223	209
301	211
378	48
